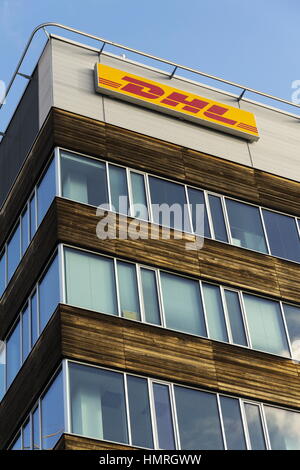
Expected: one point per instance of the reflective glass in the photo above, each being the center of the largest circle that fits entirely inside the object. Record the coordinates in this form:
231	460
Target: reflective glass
118	188
36	429
163	413
255	428
49	293
233	425
2	273
139	410
25	332
282	235
218	218
25	230
150	296
2	369
180	314
90	281
18	443
13	252
32	216
26	431
173	213
139	196
53	413
198	419
46	192
34	319
266	325
13	354
235	317
284	428
246	226
292	316
196	197
128	290
98	403
214	312
83	179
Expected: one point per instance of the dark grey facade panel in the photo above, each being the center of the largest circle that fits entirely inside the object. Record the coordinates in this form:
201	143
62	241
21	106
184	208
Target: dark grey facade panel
19	137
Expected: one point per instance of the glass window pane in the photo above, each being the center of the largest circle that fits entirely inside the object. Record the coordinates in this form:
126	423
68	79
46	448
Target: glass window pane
246	226
26	431
255	428
32	217
196	197
36	429
2	273
25	230
83	179
46	191
34	319
233	425
52	407
98	403
214	312
25	332
172	195
282	235
139	410
292	316
49	293
13	253
90	281
13	351
17	445
284	428
163	413
266	325
235	317
140	208
118	189
198	420
218	218
150	296
180	314
2	369
129	298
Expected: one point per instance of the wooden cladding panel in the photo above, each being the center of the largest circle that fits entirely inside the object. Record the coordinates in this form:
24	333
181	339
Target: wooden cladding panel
31	379
71	442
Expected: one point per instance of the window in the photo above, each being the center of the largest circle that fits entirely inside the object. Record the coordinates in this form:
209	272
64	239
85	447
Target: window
49	293
34	319
90	281
198	419
266	325
118	189
214	312
13	354
139	411
26	435
196	198
255	427
98	403
83	179
246	226
2	370
180	314
284	428
36	444
139	198
52	409
235	317
26	346
233	425
32	208
163	417
2	273
46	192
282	235
292	316
13	253
128	290
150	296
217	216
25	230
175	214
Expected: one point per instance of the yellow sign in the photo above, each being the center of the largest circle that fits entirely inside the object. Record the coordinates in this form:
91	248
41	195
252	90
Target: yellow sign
176	102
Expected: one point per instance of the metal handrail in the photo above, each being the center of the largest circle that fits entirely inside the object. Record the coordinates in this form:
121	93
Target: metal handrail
144	54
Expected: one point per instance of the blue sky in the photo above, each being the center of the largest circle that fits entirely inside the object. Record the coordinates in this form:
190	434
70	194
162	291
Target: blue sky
253	42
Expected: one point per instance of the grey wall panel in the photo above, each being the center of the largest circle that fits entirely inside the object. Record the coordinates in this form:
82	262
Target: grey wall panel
45	83
19	137
278	149
73	80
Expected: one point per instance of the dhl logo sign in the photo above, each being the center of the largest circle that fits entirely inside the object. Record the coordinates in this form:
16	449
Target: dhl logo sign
179	103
